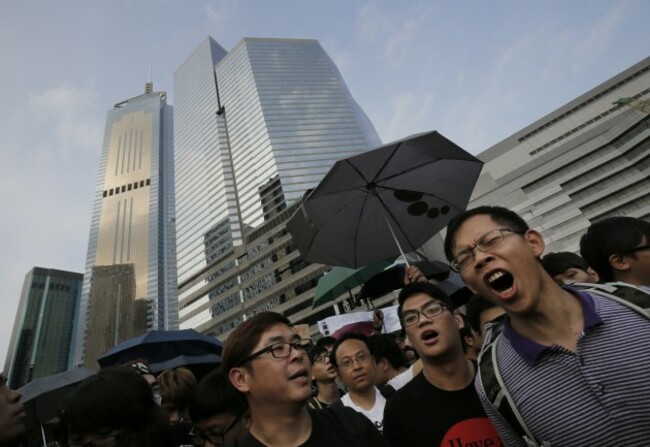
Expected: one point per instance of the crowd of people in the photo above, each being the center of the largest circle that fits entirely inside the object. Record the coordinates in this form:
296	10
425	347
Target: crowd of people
551	350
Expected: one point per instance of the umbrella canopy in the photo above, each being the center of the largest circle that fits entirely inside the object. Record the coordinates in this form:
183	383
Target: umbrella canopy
45	397
377	204
393	278
186	360
160	346
342	279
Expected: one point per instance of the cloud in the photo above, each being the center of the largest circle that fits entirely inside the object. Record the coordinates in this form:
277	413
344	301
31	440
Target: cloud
214	16
72	113
406	113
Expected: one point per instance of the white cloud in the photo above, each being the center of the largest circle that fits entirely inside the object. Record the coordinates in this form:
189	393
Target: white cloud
405	113
73	114
214	16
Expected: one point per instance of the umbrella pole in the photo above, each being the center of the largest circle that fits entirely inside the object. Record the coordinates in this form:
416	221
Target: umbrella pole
399	247
43	435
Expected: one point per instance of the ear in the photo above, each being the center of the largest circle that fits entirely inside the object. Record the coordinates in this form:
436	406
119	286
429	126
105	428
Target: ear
383	365
239	377
619	262
469	340
592	274
535	241
459	320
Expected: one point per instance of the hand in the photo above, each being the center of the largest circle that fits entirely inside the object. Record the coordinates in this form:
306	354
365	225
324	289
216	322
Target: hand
413	274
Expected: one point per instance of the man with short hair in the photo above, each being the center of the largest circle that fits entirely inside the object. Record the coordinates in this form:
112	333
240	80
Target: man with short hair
618	249
219	412
574	363
12	415
323	375
567	268
390	358
481	311
439	406
265	360
356	367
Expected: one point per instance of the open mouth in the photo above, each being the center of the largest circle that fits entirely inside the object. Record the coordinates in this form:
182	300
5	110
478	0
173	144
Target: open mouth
501	281
429	335
299	374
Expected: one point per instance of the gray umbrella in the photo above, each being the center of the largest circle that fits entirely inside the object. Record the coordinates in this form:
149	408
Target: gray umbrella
385	201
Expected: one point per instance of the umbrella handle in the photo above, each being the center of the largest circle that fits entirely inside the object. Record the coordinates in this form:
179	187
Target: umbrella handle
399	247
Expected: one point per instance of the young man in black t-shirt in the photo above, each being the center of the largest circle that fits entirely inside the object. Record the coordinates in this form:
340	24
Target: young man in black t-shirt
439	407
265	361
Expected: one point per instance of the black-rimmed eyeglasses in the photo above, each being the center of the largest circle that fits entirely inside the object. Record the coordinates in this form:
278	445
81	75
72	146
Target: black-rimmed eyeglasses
429	310
198	437
485	243
279	350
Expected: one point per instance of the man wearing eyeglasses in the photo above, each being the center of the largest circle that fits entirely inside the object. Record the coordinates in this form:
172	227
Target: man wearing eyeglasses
618	249
356	366
574	363
265	360
219	412
440	406
12	415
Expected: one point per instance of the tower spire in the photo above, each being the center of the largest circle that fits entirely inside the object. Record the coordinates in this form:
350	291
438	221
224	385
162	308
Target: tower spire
148	87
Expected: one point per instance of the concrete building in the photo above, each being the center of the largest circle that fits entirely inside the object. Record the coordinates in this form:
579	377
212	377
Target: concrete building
42	334
254	128
587	160
130	281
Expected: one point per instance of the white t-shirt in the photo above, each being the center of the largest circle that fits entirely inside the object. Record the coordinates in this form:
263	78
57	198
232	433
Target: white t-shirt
402	379
375	414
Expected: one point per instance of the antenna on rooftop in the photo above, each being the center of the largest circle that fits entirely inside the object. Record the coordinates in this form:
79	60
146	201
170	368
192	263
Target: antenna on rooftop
148	87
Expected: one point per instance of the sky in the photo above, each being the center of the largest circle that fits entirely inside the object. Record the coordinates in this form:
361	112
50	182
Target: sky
476	71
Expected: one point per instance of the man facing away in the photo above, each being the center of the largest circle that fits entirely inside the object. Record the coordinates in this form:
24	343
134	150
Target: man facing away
618	248
575	363
265	360
439	407
567	268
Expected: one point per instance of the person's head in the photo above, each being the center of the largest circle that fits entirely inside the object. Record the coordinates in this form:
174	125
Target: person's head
354	362
12	414
264	359
142	369
218	410
430	321
326	342
389	357
177	392
618	249
471	339
114	407
480	311
497	256
322	370
566	267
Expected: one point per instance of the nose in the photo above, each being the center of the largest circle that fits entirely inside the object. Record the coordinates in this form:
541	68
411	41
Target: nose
481	258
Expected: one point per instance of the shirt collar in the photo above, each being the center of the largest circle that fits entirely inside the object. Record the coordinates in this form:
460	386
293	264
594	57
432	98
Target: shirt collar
529	350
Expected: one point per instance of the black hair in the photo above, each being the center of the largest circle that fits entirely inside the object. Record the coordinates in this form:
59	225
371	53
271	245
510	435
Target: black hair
474	308
560	262
326	341
384	346
117	398
610	236
345	337
416	288
215	395
316	351
500	215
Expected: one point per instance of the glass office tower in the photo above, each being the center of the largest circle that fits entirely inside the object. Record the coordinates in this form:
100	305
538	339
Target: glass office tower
254	128
43	329
130	281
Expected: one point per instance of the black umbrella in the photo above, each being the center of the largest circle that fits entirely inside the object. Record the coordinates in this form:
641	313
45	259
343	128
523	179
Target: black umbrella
44	398
160	346
384	202
393	278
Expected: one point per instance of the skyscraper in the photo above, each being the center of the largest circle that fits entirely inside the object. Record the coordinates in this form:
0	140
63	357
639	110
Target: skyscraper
42	334
254	129
130	281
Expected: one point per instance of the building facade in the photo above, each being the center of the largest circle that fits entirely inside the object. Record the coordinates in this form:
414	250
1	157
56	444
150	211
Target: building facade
130	281
587	160
42	335
254	128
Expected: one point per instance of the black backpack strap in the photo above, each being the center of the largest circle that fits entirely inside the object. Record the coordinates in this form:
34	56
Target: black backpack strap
492	383
387	390
628	295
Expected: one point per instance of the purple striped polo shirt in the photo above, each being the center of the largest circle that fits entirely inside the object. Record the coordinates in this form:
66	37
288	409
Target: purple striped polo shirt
599	395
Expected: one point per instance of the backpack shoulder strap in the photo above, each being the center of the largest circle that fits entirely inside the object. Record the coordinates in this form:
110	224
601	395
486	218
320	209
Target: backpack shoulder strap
495	389
628	295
